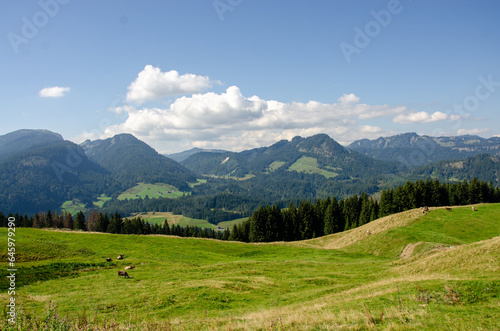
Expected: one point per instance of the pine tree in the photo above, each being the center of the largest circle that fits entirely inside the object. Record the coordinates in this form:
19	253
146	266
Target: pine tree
385	203
333	218
366	212
68	220
258	223
305	219
474	191
289	223
48	219
115	224
79	223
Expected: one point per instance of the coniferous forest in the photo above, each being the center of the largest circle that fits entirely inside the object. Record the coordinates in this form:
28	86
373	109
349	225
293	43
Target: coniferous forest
271	223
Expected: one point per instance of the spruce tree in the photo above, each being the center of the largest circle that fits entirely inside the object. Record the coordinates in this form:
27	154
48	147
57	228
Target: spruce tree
79	223
258	223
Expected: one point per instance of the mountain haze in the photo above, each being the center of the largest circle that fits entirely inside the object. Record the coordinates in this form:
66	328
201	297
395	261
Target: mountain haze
412	150
179	157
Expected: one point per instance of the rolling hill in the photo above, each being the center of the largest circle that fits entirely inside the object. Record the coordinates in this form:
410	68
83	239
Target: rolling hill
412	272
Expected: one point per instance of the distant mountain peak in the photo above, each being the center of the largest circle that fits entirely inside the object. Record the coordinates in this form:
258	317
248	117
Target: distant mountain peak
321	144
25	139
416	150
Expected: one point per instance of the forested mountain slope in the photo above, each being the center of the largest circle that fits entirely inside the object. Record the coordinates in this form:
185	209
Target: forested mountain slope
43	178
328	155
131	161
23	140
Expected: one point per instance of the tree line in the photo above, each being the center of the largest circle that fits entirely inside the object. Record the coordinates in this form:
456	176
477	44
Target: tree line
329	216
101	222
271	223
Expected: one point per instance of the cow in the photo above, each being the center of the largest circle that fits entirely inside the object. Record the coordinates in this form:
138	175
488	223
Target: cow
129	267
108	259
447	208
123	273
425	209
120	257
474	208
368	232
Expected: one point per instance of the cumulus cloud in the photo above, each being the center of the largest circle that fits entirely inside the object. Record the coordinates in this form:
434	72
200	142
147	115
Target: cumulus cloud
53	92
422	117
153	84
348	98
233	121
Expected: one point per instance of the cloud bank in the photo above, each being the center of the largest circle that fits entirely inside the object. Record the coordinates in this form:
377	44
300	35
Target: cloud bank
53	92
230	120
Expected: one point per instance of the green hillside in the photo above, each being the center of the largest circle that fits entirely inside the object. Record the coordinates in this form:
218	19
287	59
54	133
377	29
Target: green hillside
402	276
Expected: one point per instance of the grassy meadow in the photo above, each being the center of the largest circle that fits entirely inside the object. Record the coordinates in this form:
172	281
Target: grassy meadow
183	221
438	271
309	165
158	190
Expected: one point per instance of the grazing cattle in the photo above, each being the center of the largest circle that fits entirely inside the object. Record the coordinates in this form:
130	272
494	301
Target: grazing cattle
120	257
368	232
448	208
425	209
474	208
123	273
129	267
108	259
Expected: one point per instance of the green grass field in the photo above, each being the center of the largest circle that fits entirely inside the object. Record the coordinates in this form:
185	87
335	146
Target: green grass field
402	276
309	165
159	218
141	190
275	166
159	190
73	206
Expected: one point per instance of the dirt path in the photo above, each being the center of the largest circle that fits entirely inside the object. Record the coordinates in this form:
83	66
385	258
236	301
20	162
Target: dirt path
408	250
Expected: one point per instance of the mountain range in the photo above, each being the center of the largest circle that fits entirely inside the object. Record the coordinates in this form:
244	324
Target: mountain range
411	150
39	170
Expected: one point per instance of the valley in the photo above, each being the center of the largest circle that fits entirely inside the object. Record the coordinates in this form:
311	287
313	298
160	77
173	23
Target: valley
116	174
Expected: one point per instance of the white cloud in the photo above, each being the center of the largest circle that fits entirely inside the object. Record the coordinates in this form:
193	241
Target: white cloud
348	98
153	84
422	117
53	92
471	131
233	121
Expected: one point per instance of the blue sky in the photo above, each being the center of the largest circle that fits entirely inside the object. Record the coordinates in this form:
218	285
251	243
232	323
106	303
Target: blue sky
238	74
